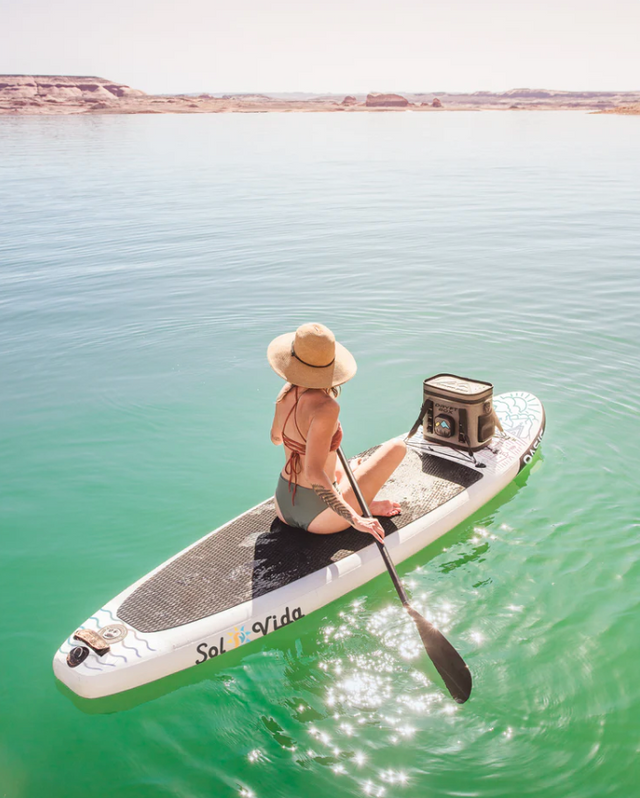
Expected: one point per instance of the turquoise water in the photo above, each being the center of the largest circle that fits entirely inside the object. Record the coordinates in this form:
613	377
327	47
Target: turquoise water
146	263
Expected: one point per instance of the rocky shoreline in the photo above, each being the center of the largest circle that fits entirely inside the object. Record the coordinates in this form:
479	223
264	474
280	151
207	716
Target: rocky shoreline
22	95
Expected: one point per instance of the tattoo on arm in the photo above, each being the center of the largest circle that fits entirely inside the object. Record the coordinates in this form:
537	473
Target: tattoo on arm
333	502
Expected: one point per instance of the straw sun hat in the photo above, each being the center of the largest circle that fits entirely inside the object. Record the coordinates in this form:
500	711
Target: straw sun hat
311	357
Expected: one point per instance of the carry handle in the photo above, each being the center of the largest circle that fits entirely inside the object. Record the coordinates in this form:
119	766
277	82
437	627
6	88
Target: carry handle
418	421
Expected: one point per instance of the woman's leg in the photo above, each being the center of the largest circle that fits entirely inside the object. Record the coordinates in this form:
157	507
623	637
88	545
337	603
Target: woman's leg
355	464
372	474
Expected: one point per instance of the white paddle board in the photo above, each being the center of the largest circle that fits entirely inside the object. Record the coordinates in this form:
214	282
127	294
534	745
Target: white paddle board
255	574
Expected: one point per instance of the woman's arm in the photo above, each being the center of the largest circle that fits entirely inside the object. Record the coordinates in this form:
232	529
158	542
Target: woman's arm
276	427
318	445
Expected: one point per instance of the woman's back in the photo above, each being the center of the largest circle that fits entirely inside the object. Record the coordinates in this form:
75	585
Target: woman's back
295	412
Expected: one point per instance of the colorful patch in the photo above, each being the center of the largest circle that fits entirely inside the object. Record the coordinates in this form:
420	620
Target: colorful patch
239	636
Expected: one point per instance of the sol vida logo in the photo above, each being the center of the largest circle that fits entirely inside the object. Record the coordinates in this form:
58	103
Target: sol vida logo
241	634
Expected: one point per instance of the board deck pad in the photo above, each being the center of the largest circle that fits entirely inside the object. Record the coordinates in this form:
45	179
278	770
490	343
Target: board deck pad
256	553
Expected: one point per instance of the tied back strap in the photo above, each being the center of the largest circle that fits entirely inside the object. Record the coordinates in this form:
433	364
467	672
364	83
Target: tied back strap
293	466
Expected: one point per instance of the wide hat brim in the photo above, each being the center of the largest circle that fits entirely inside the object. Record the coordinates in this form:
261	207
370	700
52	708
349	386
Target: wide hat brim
292	370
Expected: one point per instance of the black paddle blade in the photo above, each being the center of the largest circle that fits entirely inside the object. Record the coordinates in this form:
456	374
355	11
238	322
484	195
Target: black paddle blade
449	664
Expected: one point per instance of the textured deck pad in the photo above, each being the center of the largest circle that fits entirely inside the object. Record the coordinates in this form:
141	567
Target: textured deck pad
257	553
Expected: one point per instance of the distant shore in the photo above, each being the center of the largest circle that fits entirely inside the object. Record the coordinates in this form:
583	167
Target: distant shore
33	95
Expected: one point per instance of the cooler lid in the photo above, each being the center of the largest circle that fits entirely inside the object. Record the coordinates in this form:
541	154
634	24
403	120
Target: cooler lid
460	385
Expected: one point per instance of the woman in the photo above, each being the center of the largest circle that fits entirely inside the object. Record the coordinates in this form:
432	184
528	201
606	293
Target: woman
313	493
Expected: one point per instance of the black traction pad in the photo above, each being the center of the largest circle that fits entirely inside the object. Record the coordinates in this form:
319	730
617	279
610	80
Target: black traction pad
257	553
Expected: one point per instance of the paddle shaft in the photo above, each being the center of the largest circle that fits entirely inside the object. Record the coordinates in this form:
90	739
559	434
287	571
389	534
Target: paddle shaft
367	513
449	664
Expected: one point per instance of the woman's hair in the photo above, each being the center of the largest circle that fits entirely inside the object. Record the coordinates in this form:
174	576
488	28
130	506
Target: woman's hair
334	391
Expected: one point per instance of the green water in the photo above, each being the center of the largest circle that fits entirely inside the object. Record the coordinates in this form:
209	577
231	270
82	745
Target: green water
145	264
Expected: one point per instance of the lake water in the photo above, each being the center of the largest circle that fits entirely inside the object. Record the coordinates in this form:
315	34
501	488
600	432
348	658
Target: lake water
145	264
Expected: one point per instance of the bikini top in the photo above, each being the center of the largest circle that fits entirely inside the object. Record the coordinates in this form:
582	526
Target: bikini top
293	466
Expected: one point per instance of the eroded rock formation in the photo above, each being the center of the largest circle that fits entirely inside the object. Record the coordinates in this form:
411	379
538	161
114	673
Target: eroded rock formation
375	100
43	90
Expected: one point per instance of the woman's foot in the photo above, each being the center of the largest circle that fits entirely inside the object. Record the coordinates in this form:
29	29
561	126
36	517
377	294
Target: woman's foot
385	507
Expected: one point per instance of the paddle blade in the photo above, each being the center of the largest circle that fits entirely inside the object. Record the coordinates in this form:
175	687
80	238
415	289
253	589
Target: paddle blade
449	664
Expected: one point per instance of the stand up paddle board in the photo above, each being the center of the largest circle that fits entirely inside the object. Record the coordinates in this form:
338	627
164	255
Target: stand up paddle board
256	574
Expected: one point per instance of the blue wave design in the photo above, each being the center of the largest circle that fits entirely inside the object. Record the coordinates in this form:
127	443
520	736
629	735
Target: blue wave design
142	640
131	648
120	656
90	668
109	613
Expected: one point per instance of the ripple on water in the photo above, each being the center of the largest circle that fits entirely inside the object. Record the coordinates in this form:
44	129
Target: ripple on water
140	285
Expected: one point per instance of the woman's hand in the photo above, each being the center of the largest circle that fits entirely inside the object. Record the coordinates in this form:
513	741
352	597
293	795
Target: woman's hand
370	525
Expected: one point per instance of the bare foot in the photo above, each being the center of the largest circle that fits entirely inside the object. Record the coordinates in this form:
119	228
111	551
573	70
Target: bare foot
385	507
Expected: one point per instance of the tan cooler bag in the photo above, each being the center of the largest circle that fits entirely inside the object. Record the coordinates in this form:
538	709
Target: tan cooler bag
457	412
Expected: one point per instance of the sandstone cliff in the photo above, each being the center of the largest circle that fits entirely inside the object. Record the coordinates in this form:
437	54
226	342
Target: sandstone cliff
39	91
375	100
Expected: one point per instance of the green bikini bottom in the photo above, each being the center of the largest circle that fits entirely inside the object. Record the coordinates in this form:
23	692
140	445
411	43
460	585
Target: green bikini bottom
308	505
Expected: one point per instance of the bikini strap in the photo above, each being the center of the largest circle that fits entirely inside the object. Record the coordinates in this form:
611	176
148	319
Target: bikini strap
294	410
293	466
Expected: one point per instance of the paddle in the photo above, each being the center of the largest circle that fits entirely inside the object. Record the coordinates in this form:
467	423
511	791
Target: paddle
449	664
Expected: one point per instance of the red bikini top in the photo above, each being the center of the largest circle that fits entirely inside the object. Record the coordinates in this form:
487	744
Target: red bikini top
293	466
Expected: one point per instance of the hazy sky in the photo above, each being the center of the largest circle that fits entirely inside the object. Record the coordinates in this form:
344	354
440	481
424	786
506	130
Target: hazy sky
336	45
